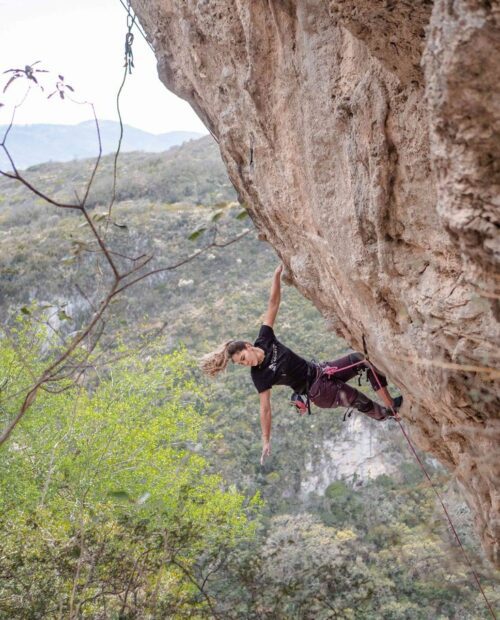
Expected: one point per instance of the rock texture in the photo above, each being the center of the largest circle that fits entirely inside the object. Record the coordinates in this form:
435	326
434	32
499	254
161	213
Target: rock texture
361	453
364	136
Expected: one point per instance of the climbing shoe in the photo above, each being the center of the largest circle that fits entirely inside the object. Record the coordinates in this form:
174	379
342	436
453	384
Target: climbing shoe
391	413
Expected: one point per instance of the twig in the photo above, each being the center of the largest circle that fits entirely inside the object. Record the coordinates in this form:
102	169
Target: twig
183	261
173	561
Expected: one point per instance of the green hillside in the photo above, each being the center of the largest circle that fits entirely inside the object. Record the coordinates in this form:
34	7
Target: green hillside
192	173
120	496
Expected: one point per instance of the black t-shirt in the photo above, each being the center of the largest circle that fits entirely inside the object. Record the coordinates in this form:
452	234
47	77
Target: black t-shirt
280	366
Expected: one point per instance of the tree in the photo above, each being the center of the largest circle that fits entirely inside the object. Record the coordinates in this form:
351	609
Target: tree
115	271
108	507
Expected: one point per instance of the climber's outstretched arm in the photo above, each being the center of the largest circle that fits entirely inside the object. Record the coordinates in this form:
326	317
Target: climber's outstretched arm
274	298
265	424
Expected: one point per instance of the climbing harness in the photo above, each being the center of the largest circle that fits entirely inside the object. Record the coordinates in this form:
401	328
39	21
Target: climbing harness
297	399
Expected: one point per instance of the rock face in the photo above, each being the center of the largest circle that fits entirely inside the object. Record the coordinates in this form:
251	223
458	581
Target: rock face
364	137
361	451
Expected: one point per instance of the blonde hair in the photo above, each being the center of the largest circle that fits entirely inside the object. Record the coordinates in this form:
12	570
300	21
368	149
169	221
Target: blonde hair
216	361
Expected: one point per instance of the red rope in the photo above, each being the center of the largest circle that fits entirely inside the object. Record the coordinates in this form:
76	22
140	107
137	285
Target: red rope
331	370
438	496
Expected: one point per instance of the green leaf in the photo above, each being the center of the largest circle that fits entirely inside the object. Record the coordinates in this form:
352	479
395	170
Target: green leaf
242	215
194	235
25	310
120	495
217	215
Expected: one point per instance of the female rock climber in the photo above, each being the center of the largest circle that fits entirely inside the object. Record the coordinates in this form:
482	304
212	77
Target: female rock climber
272	363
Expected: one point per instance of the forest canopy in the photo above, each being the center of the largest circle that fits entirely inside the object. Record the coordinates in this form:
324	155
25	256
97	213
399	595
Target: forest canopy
107	502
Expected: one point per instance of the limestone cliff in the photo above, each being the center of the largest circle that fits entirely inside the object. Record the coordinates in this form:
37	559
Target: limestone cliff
361	451
364	136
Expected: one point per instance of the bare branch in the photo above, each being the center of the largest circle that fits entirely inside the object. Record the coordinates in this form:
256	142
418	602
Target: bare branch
101	243
14	111
183	261
98	160
133	259
17	177
71	362
49	372
197	585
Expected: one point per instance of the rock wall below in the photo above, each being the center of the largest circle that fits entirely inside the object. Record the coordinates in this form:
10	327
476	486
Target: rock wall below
362	451
364	137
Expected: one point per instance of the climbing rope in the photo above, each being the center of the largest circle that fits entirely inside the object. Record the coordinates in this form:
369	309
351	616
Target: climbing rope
436	492
133	16
331	371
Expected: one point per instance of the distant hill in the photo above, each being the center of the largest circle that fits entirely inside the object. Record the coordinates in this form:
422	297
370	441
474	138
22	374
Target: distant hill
192	173
35	144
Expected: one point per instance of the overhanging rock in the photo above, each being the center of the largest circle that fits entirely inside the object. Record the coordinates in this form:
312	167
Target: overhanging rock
364	136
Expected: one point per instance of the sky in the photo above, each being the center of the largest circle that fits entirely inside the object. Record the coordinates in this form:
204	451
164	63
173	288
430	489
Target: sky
84	41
